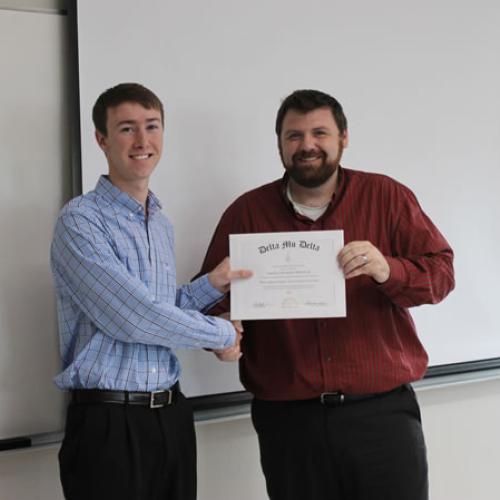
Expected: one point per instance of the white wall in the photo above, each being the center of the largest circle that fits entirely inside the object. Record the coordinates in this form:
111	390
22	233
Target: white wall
462	431
34	148
461	425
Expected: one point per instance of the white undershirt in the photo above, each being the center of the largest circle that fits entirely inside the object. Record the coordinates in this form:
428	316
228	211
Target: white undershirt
313	213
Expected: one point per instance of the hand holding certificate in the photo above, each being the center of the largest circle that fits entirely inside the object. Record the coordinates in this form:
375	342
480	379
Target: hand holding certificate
295	275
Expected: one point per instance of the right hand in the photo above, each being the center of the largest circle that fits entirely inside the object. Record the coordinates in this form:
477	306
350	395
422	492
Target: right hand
232	353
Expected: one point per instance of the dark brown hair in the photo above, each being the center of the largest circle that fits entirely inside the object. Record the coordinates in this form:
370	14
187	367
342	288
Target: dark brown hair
124	92
305	101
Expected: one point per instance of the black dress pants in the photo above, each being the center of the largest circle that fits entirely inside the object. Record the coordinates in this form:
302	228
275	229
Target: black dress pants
128	452
367	450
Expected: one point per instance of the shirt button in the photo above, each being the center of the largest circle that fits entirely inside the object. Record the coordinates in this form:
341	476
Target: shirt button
130	215
153	370
329	359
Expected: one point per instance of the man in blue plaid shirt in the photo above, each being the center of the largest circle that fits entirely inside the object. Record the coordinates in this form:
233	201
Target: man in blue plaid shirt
129	430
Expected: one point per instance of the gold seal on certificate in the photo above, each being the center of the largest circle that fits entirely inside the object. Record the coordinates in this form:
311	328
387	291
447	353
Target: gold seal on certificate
295	275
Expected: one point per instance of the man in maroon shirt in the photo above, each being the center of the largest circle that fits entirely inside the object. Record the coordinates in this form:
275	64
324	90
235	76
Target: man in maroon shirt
334	412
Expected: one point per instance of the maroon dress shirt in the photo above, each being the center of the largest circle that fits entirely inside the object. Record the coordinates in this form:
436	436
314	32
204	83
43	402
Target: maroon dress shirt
375	347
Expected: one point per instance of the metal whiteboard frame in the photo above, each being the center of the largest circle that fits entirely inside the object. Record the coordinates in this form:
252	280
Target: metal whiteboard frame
215	401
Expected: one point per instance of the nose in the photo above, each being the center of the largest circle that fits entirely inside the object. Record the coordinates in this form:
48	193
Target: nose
140	139
308	142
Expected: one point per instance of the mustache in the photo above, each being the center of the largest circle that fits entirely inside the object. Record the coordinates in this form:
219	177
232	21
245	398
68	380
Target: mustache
312	153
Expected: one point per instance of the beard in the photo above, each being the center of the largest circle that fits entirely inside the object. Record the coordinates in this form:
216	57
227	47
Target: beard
312	176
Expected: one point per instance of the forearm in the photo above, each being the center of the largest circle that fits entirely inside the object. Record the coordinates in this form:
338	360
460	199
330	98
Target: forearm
418	280
89	272
124	310
199	295
419	257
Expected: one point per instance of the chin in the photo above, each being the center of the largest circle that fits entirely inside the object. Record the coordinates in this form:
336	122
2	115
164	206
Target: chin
313	180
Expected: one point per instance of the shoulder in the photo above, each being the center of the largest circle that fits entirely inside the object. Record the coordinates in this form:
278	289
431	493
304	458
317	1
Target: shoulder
254	205
376	183
258	197
89	207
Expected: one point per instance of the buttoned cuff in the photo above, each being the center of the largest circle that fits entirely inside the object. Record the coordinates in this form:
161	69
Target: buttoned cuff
228	333
397	277
207	289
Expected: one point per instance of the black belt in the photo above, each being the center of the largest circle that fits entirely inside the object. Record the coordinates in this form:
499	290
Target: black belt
338	398
153	399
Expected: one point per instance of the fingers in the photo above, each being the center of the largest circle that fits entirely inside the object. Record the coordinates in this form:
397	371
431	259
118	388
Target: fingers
232	353
238	326
239	274
353	257
356	266
228	355
222	275
362	257
238	338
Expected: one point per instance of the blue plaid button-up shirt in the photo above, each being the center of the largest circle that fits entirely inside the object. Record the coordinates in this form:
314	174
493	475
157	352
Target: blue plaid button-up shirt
119	309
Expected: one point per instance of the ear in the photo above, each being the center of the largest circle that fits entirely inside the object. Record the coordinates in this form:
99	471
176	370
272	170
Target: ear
280	149
101	140
345	138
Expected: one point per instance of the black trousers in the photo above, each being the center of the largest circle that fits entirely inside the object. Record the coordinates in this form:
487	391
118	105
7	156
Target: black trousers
367	450
125	452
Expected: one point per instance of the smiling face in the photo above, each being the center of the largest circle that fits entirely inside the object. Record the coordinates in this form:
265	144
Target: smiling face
133	145
311	146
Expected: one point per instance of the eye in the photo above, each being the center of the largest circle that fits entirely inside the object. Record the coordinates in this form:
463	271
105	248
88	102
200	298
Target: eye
153	126
320	133
126	130
293	136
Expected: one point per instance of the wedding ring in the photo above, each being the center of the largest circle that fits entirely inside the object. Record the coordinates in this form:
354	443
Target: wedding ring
365	258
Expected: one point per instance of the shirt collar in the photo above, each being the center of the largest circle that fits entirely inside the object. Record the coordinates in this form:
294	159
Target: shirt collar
114	195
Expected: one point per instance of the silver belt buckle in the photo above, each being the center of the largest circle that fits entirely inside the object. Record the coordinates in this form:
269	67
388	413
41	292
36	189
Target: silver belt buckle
326	394
152	403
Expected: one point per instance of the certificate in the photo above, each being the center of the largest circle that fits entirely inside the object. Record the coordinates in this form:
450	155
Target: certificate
295	275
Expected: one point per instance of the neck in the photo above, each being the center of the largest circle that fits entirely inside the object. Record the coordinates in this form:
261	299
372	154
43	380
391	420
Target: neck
314	197
138	190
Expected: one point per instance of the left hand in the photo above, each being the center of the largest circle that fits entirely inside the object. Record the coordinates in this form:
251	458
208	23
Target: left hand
362	257
222	275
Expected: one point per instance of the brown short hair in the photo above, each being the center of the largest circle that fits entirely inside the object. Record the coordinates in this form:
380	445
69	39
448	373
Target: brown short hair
305	101
124	92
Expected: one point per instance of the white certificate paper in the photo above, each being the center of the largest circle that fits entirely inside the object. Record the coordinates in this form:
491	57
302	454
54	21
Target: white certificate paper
295	275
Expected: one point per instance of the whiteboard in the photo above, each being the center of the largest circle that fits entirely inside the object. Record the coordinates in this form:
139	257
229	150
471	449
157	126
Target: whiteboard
35	169
419	84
